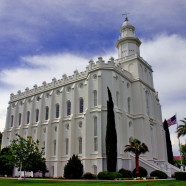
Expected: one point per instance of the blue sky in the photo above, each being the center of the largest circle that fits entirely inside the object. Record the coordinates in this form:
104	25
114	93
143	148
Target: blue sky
41	37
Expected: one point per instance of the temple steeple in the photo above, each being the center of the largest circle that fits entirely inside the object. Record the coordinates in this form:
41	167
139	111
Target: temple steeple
127	44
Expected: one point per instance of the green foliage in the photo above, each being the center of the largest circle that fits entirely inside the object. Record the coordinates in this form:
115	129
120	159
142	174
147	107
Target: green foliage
159	174
181	129
177	163
27	155
74	168
109	175
136	147
6	162
180	175
125	173
111	136
88	175
142	172
168	142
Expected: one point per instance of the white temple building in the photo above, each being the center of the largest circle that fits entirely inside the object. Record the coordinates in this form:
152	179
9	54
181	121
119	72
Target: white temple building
69	116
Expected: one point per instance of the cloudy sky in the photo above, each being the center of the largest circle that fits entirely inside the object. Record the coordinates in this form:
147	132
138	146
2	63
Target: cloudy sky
43	39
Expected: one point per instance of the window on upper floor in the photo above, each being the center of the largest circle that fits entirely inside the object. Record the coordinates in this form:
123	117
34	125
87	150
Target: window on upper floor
95	98
81	104
28	117
95	126
117	99
46	112
19	119
12	121
68	108
37	115
129	105
57	110
147	103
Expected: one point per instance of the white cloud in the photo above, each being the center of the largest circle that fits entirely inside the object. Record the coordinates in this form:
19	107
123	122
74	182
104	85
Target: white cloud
166	54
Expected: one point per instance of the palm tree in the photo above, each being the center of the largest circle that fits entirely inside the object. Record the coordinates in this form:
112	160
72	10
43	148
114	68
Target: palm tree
137	148
181	129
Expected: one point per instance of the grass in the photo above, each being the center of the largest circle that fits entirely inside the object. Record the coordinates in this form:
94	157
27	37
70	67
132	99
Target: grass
29	182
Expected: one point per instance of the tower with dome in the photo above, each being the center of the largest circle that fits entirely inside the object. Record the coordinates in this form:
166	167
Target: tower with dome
69	116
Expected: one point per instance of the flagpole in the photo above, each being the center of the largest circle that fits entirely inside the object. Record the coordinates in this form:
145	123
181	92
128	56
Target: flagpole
179	143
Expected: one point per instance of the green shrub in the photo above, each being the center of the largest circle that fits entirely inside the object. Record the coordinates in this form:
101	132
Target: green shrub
142	172
109	175
180	175
125	173
74	168
159	174
88	175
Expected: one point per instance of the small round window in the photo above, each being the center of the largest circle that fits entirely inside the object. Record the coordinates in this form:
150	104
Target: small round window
37	98
68	89
81	85
47	95
94	76
57	92
80	124
67	126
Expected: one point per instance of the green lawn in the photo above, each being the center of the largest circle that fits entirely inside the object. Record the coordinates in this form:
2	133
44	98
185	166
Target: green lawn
14	182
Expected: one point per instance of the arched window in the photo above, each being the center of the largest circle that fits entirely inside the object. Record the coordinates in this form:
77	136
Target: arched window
57	110
147	102
130	124
43	147
54	147
46	112
68	108
19	118
28	117
95	134
95	144
95	126
95	169
80	145
12	121
37	115
117	98
81	105
129	105
66	146
95	98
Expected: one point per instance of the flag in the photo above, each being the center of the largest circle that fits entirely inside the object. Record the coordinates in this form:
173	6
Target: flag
172	121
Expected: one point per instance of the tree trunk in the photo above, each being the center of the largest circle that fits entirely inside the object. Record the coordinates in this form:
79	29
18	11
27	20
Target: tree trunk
24	176
137	165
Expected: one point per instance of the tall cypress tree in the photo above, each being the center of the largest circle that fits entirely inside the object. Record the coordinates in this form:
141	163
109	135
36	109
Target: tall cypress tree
168	142
111	136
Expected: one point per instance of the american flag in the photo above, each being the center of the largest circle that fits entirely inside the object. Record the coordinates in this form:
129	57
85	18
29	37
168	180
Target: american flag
172	121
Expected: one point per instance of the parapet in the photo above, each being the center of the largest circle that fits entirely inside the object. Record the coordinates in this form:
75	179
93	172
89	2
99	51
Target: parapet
77	76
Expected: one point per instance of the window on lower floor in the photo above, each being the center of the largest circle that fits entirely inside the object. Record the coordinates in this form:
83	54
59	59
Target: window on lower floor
80	145
67	146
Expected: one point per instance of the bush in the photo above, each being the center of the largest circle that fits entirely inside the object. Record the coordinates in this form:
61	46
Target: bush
88	175
142	172
109	175
180	175
74	168
159	174
125	173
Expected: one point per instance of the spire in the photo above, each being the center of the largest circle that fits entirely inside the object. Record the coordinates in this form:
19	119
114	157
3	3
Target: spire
127	44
